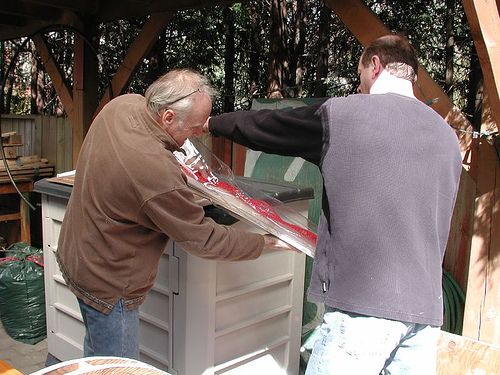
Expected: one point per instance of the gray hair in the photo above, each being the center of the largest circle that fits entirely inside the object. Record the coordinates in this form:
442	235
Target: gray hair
175	89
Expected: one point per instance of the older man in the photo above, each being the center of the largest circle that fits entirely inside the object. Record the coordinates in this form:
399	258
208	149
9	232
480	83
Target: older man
391	168
129	198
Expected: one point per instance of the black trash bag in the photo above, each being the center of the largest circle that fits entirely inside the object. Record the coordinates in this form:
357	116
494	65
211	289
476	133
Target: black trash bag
22	293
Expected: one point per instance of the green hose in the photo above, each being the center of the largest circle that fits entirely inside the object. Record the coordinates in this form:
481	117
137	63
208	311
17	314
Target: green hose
453	302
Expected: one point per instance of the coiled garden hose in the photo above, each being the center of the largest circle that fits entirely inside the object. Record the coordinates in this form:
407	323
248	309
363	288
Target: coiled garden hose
453	302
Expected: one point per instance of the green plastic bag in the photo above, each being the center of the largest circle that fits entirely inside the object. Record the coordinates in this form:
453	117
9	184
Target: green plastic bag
22	293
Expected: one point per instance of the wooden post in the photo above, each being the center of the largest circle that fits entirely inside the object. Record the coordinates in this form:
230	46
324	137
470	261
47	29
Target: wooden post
457	255
84	86
482	306
222	148
484	23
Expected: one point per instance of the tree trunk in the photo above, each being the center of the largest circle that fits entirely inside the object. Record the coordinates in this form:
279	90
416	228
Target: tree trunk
229	59
33	86
297	45
2	76
156	59
255	51
278	62
449	49
320	88
8	94
37	90
475	91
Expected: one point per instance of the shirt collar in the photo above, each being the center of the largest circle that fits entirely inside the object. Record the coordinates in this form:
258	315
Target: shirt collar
388	83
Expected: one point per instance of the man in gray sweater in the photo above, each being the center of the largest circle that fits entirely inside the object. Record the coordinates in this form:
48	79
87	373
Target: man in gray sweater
391	168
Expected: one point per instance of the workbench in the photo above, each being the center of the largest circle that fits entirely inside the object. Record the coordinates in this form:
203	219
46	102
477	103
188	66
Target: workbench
12	207
20	214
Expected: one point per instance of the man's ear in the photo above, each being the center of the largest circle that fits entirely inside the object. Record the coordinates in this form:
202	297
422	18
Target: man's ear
167	118
376	66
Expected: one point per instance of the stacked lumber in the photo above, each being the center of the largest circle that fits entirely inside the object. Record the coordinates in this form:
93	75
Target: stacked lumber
26	168
10	142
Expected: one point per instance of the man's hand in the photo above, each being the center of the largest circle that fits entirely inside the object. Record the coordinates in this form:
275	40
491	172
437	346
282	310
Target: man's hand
274	243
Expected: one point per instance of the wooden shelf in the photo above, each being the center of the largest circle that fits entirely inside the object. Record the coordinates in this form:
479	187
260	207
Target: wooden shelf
10	217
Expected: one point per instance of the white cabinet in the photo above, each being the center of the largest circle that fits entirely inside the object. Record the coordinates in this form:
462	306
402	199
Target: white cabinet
201	317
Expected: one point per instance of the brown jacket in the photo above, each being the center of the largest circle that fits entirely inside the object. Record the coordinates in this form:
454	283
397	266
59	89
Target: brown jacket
129	198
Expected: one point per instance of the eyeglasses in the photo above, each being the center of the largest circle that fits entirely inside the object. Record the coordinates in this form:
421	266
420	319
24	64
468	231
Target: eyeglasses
182	97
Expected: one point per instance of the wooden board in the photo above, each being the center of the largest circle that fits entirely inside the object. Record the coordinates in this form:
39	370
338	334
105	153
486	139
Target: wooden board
6	369
457	255
483	241
458	355
490	320
26	172
68	180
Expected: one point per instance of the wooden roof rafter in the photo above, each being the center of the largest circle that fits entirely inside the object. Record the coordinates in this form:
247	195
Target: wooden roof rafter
139	48
61	86
79	100
21	18
484	22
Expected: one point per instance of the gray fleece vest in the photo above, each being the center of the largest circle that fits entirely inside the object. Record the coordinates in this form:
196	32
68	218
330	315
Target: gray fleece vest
391	169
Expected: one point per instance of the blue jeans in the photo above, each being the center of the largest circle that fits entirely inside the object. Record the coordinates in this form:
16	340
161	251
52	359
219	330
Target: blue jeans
115	334
357	344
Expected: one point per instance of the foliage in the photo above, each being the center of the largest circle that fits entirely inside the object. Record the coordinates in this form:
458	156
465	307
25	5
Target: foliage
195	38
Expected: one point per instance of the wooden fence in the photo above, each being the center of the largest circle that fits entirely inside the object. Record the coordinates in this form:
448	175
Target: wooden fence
47	136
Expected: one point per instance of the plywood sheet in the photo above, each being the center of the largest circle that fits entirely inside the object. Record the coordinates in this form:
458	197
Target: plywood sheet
459	355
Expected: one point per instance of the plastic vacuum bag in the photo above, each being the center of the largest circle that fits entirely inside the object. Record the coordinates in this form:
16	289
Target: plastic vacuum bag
22	293
214	180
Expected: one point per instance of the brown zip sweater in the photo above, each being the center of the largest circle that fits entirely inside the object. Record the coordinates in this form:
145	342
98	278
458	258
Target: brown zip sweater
129	198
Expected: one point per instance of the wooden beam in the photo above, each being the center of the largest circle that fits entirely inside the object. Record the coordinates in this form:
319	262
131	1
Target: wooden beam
490	321
29	11
484	23
481	240
457	254
481	304
238	159
222	148
366	26
11	30
139	48
60	84
84	87
118	9
80	6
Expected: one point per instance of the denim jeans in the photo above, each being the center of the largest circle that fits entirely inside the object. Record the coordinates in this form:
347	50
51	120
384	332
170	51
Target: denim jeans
115	334
356	344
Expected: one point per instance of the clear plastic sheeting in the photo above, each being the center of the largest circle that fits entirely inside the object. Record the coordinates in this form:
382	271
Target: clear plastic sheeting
213	179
